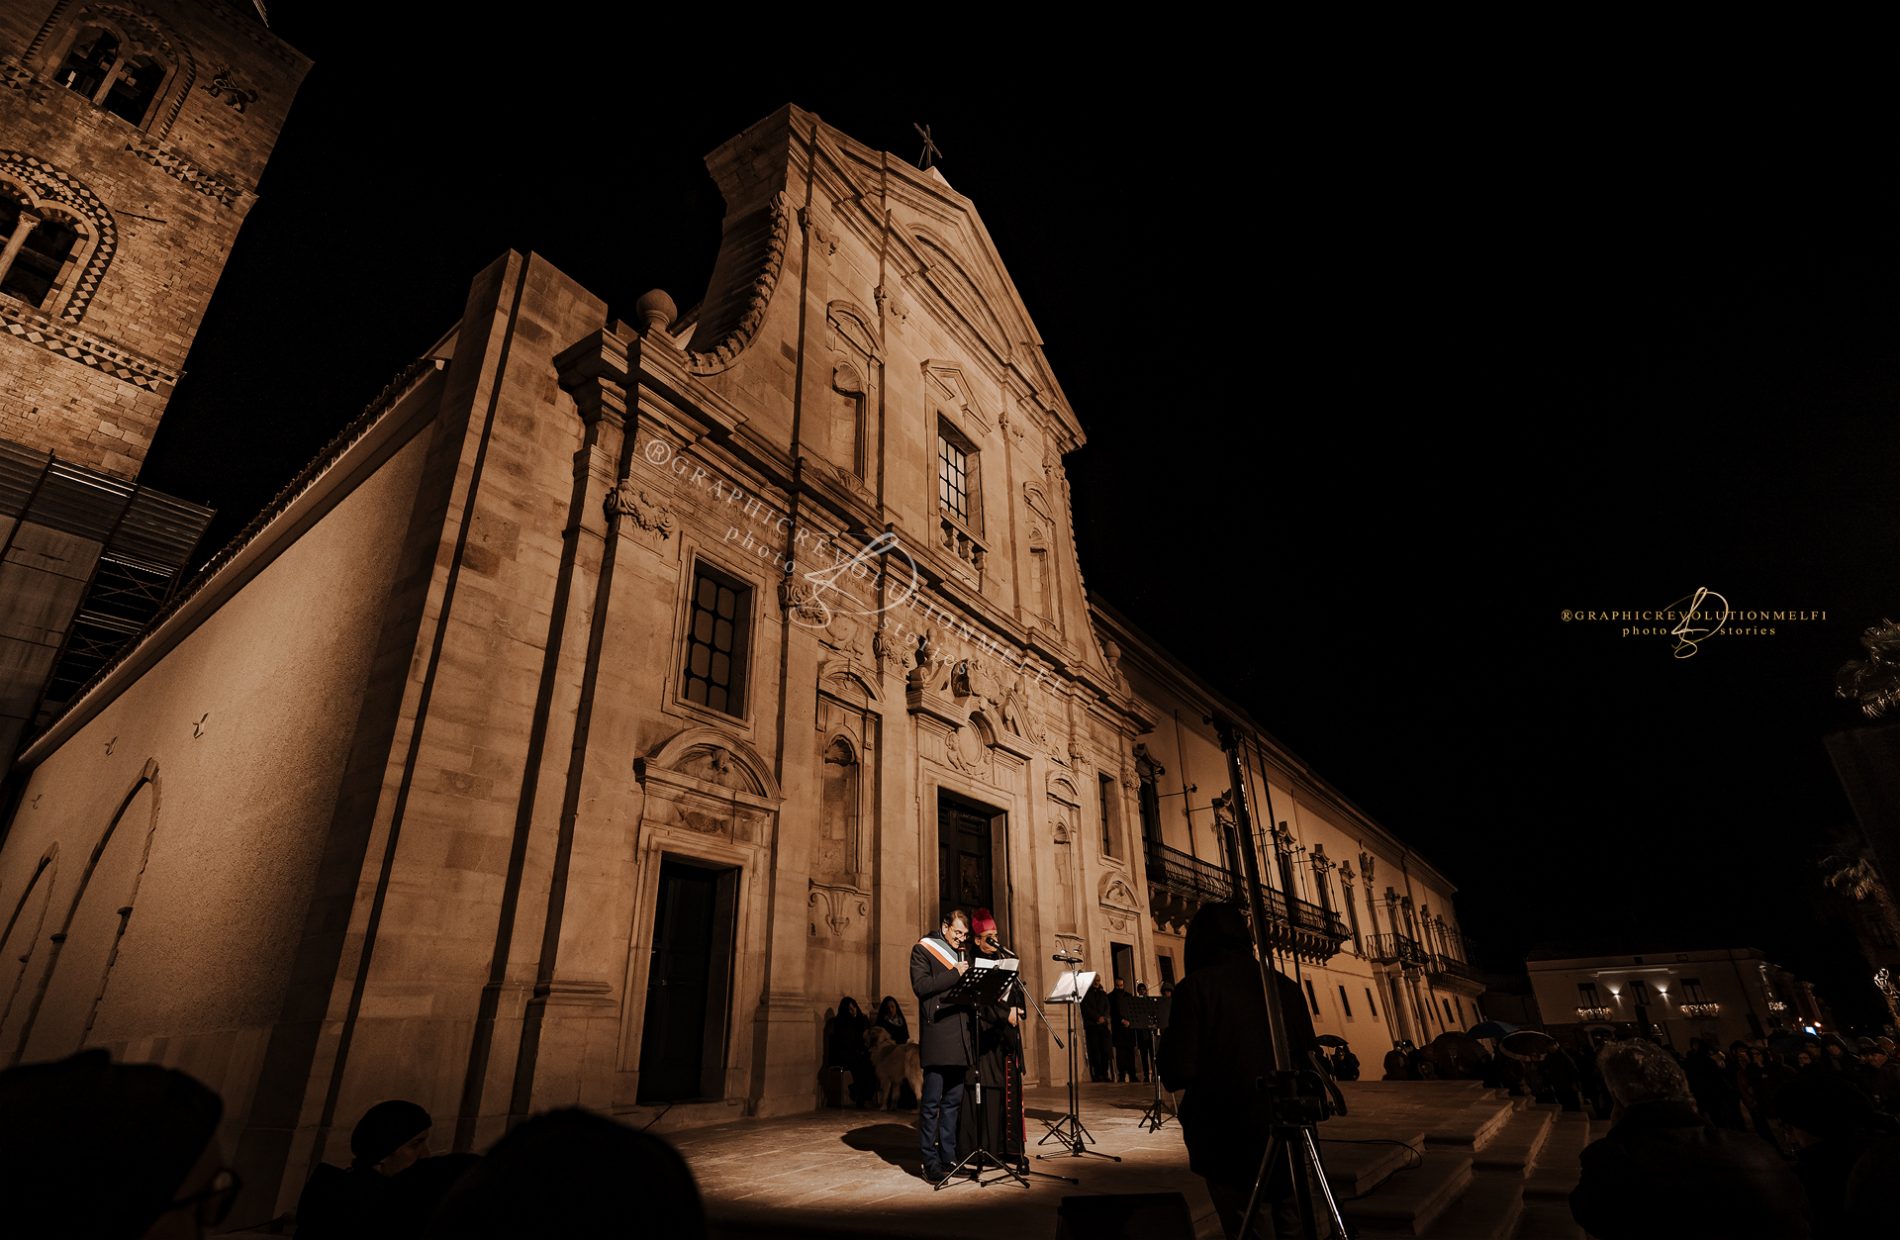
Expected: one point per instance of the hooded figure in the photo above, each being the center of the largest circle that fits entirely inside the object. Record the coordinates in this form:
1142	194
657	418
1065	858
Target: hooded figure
1665	1171
1219	1050
890	1018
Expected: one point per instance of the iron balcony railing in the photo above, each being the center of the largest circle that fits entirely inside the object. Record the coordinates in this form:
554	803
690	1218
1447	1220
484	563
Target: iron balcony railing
1396	949
1188	876
1448	966
1701	1011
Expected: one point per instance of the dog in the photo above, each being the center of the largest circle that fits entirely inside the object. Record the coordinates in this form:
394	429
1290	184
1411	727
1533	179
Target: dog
894	1063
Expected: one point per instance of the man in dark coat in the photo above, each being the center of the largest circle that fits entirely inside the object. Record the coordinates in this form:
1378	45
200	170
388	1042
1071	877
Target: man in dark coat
1096	1014
946	1043
1220	1051
1665	1171
1122	1031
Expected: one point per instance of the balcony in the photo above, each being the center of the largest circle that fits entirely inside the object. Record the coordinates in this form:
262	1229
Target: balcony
1701	1011
1595	1013
1453	973
1396	949
1179	884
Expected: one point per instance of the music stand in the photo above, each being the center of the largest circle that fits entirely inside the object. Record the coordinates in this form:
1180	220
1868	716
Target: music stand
1069	988
1143	1013
986	983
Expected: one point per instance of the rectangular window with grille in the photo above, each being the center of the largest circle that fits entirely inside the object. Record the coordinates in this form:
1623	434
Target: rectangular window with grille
959	478
717	640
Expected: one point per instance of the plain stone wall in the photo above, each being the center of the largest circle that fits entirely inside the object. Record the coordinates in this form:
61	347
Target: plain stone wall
231	749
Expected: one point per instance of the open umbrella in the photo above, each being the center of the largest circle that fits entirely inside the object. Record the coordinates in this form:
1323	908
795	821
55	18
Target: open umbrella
1789	1043
1455	1056
1330	1039
1531	1044
1492	1029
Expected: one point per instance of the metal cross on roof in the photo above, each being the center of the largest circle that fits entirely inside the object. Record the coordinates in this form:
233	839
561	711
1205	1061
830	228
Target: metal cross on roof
931	151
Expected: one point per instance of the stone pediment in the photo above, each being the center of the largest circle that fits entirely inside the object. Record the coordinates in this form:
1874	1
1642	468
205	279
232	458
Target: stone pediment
1062	788
956	285
952	387
707	760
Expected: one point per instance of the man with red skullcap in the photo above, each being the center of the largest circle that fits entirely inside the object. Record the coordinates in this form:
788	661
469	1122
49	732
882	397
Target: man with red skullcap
999	1063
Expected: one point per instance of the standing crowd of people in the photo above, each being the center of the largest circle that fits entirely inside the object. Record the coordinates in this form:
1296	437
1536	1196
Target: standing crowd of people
96	1150
1788	1136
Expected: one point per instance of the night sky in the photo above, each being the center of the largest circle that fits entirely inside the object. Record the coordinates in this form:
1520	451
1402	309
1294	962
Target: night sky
1383	367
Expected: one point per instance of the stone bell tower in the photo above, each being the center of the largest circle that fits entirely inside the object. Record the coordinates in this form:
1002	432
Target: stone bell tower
132	136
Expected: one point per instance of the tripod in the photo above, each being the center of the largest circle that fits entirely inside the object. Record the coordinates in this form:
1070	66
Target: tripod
1291	1114
1151	1118
1069	1129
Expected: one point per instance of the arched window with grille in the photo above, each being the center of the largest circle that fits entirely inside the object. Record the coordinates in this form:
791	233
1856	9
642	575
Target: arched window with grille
121	60
36	250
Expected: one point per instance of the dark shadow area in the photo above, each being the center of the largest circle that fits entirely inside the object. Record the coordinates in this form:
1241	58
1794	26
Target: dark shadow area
896	1144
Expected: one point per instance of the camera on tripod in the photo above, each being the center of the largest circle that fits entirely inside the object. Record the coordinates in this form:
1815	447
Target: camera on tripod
1291	1098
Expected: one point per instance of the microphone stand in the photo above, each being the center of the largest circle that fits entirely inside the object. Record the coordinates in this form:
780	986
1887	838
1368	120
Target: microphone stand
1069	1130
1023	990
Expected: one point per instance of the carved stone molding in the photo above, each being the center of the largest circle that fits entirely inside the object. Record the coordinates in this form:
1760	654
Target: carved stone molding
224	84
628	500
890	652
777	230
800	600
709	783
1062	789
574	993
1118	895
889	303
35	328
822	238
49	184
216	186
839	904
22	79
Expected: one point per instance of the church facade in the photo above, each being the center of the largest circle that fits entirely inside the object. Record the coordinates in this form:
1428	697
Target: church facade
611	697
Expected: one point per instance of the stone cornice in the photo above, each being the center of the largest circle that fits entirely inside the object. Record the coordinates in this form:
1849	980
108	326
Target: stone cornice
31	327
224	190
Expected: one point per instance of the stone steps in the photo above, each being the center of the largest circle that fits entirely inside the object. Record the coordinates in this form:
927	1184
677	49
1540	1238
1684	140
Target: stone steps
1555	1172
1354	1170
1488	1209
1407	1203
1471	1127
1515	1148
1548	1220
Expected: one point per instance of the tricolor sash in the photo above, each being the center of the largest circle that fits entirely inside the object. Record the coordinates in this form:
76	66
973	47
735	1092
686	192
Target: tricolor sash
941	950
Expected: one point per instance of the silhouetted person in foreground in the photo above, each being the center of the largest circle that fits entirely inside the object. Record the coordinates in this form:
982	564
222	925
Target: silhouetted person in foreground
1834	1129
93	1150
570	1174
339	1204
1665	1171
1219	1050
